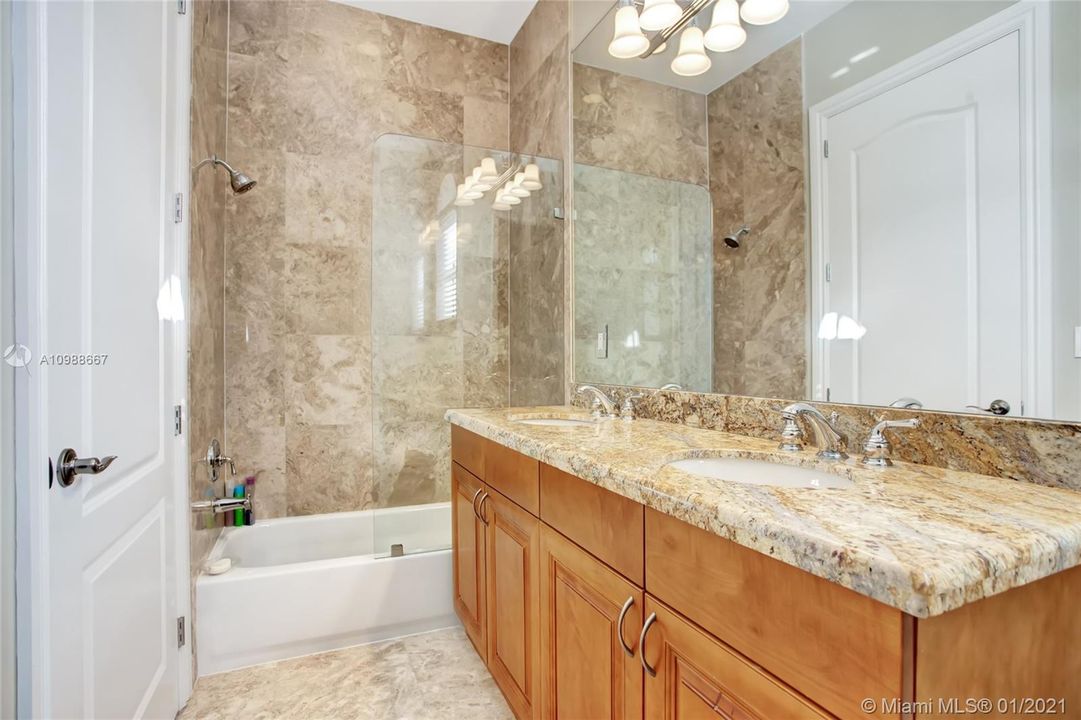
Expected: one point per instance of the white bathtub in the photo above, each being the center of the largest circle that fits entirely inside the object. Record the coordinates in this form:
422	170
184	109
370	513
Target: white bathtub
320	582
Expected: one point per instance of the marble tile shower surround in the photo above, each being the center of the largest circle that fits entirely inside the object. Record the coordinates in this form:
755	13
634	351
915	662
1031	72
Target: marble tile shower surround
1036	451
643	270
312	85
625	123
209	194
539	89
756	178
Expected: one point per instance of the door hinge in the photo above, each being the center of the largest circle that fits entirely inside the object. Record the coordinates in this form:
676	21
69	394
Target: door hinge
181	7
178	419
825	148
178	208
181	634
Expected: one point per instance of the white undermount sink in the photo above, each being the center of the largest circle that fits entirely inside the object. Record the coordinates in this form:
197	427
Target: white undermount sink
760	472
555	422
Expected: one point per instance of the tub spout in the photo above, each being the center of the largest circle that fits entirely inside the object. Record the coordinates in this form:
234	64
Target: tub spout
221	505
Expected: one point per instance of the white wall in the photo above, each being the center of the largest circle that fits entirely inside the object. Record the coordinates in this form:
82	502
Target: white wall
897	28
7	381
1066	201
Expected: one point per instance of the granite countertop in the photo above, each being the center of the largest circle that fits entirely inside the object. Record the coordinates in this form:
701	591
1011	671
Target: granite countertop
920	539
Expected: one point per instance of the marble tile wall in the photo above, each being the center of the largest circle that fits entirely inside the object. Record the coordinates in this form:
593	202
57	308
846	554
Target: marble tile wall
642	269
539	90
209	193
312	85
756	178
625	123
1035	451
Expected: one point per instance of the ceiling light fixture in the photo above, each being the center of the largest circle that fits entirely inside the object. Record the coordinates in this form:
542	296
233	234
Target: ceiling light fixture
667	18
725	33
628	40
659	14
763	12
692	59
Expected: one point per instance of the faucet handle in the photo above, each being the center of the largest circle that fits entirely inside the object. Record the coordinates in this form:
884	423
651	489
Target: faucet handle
627	408
791	433
876	448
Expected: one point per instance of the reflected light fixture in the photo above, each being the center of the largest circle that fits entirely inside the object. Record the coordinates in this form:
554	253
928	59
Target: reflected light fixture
628	40
531	181
763	12
692	59
725	33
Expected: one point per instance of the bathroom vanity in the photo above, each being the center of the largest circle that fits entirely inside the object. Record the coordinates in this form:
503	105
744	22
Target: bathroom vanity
598	581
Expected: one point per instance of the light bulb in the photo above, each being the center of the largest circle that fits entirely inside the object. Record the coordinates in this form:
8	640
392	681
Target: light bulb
725	34
659	14
628	40
532	177
692	59
763	12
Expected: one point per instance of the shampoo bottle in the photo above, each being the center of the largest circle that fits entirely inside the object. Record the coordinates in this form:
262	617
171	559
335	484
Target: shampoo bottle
238	514
249	492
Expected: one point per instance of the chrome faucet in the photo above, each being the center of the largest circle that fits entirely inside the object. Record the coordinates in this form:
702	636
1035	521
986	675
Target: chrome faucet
600	400
876	448
221	505
831	444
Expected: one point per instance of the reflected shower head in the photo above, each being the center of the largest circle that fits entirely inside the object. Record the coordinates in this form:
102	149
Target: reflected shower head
238	181
733	240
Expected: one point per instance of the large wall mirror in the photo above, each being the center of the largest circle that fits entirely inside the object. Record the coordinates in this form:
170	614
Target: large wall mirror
873	202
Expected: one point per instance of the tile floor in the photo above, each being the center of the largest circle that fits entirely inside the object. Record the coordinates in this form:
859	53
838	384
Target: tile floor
434	676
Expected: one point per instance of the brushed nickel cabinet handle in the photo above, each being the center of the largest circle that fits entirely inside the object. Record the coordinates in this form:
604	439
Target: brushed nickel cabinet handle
483	499
642	644
475	496
619	625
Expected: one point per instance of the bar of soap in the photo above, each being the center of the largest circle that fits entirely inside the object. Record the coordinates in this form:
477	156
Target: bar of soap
219	566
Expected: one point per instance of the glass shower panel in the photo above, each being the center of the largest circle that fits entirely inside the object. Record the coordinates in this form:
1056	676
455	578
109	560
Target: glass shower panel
439	327
643	276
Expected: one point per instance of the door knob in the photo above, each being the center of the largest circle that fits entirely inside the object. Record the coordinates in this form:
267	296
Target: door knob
69	466
997	407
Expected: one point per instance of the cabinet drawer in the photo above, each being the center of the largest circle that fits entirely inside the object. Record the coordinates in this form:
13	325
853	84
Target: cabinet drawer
827	642
609	526
513	474
467	449
698	677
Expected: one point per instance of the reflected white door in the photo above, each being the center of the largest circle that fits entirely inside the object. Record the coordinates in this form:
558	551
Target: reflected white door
924	239
104	164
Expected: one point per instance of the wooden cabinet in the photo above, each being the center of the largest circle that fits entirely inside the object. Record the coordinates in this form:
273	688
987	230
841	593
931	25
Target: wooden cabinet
513	553
545	563
698	677
468	533
590	617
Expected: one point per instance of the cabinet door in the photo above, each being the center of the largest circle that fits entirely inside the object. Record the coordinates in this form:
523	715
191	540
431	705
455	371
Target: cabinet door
589	666
513	596
470	592
698	677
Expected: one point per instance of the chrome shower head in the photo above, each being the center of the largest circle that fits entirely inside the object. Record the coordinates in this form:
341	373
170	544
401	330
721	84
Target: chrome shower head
733	240
238	181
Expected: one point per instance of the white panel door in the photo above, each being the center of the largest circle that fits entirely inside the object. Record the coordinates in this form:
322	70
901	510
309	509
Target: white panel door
106	92
923	235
